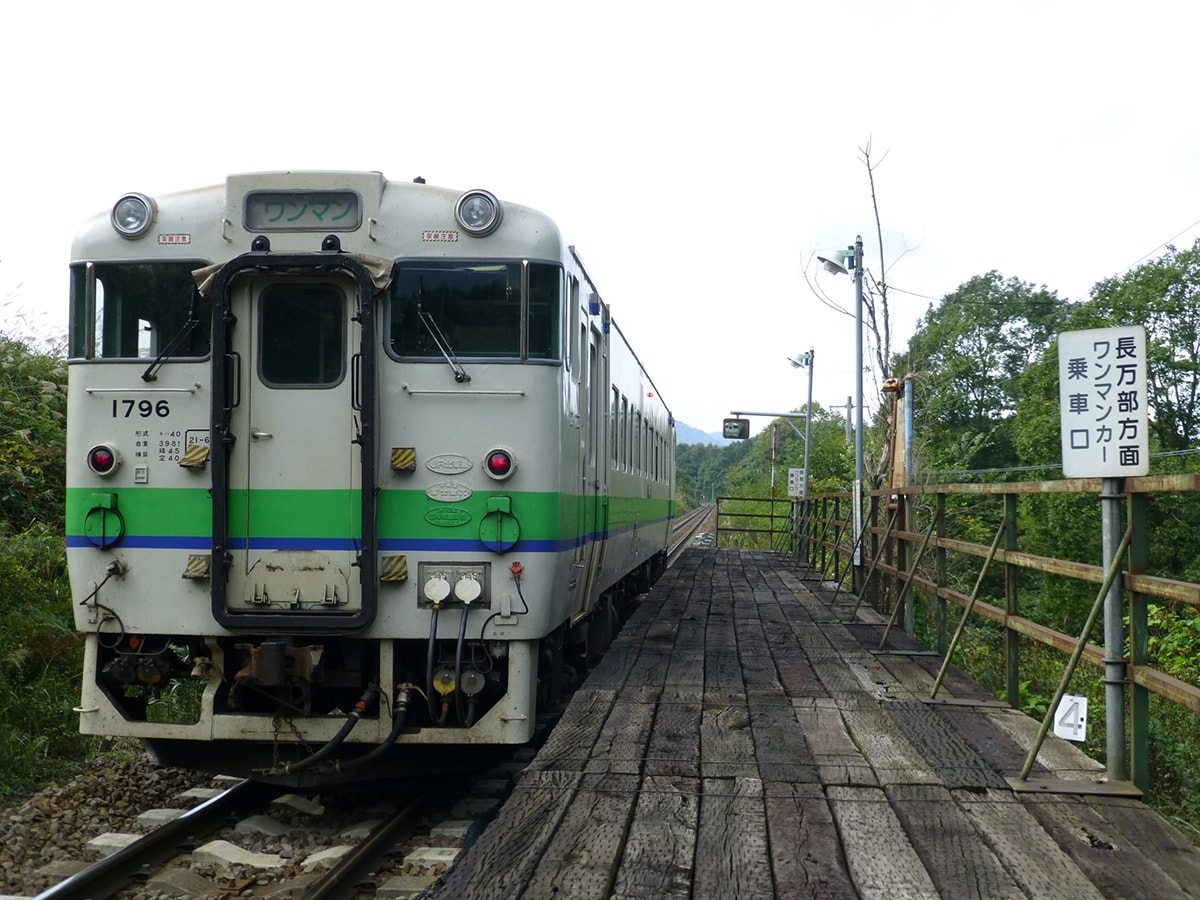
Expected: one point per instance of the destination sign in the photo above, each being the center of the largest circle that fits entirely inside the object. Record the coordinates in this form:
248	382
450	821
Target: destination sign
302	211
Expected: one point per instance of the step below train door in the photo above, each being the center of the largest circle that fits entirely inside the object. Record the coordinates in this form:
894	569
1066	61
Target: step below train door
294	479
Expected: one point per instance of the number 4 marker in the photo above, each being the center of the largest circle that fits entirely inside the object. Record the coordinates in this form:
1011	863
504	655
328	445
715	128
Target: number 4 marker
1070	719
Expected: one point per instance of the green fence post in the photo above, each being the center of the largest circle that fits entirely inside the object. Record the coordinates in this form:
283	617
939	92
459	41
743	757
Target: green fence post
1139	644
1012	638
939	575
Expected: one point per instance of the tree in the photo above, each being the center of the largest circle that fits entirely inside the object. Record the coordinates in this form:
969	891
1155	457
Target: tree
32	419
1164	296
877	317
968	355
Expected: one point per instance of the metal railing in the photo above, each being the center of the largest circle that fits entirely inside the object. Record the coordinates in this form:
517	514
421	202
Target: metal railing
908	545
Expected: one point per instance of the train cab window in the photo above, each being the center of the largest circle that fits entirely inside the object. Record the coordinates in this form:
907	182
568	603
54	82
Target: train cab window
133	310
302	335
481	309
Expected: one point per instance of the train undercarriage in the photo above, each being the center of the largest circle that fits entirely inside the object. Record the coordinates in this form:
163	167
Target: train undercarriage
320	709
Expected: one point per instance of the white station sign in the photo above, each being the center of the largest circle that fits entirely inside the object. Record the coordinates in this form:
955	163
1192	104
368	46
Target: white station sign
1103	400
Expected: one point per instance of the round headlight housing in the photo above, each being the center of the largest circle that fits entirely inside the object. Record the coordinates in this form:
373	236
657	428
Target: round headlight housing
133	215
478	213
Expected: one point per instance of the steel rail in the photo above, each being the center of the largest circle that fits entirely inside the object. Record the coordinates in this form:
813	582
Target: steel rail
344	878
113	873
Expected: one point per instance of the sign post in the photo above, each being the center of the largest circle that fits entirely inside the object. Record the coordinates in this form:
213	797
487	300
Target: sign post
1106	434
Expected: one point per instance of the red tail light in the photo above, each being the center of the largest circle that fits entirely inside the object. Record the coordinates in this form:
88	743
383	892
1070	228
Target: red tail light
499	464
103	459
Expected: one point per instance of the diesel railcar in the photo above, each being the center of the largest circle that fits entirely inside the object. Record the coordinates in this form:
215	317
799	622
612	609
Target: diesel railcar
360	472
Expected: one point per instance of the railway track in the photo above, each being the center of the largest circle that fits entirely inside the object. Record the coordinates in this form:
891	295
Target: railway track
685	528
340	844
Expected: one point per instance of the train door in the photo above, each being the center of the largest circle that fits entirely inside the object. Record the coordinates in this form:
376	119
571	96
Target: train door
294	477
594	463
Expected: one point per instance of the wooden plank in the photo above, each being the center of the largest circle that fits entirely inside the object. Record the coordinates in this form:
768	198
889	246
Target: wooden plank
674	748
806	858
581	858
661	843
722	672
779	744
906	671
879	855
955	682
838	678
1057	756
612	671
726	750
758	670
686	669
797	678
950	757
1155	838
621	744
946	841
811	636
1032	858
731	843
836	756
649	667
995	746
1099	850
857	672
579	728
891	755
499	865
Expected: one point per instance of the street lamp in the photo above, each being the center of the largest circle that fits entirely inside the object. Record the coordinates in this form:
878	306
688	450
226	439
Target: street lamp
838	266
806	361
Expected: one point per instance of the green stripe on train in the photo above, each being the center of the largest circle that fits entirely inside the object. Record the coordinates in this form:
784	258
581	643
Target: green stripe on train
187	512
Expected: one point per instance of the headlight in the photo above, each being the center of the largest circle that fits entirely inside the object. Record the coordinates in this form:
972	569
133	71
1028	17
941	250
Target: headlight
478	213
133	215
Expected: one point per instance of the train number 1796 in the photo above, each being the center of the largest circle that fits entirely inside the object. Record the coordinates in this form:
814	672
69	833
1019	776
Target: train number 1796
127	409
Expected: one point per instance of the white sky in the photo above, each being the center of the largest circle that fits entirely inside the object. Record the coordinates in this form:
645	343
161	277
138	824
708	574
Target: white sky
696	153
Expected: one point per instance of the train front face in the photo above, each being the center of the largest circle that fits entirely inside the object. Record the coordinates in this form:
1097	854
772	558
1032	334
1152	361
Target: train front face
319	468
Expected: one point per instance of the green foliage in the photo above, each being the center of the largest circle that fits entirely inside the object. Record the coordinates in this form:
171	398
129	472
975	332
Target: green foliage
40	653
968	355
700	470
1162	295
987	400
33	405
40	664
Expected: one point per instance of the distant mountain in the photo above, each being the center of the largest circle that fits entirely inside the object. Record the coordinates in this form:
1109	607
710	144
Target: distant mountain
686	434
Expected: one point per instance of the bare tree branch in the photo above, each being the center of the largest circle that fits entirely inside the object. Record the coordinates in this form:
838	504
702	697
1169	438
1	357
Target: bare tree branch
881	319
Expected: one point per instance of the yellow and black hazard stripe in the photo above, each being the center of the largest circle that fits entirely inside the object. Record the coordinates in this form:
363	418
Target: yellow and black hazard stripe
393	568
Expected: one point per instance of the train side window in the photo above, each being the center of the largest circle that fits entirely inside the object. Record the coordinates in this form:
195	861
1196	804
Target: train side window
614	434
624	434
638	462
302	336
133	310
544	340
578	338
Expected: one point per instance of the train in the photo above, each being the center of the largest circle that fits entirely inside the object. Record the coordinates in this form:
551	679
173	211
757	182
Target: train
362	474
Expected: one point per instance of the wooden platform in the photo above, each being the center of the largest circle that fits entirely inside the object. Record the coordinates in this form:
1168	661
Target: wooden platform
740	740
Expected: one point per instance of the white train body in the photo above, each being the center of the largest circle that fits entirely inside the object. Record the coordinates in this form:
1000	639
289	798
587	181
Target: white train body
391	461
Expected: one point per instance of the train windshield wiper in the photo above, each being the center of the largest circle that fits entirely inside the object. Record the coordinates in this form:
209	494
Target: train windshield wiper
189	326
460	374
